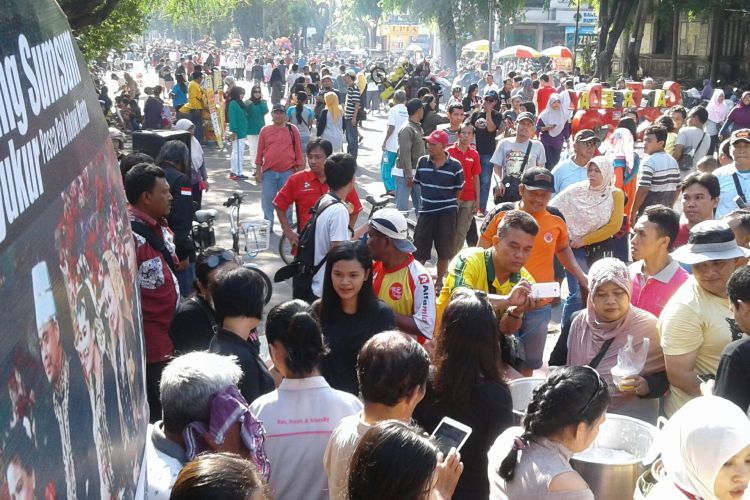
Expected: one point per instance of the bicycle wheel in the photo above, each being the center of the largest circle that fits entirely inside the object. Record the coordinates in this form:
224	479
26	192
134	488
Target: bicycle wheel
268	285
285	247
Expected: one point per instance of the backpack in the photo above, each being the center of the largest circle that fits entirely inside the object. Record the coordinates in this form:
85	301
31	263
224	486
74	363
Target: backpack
303	268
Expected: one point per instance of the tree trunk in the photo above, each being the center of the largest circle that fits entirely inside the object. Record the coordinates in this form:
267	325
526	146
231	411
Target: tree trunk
633	53
447	27
715	45
609	33
675	42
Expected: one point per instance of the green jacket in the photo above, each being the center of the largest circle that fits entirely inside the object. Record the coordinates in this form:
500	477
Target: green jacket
237	120
255	116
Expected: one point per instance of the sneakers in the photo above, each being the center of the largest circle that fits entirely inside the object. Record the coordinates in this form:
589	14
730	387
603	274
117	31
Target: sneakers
234	177
243	177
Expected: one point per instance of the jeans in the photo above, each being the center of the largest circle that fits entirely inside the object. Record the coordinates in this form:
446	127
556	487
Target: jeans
402	195
271	182
196	116
238	156
573	302
386	170
485	180
352	138
185	279
533	335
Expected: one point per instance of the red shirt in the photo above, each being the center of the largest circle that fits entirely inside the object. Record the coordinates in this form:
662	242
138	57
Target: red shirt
542	97
682	235
472	167
275	149
304	189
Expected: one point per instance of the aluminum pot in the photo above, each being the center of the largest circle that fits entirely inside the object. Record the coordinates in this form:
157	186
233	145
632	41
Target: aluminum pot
610	476
521	390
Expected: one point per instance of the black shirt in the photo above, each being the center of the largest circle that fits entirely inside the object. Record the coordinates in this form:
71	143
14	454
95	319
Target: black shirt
733	375
256	379
192	326
345	335
485	140
489	413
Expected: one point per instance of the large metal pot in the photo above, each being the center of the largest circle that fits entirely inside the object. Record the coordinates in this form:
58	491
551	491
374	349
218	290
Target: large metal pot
613	474
521	390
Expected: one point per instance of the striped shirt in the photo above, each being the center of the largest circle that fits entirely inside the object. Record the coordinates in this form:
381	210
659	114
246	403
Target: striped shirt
659	173
352	99
440	185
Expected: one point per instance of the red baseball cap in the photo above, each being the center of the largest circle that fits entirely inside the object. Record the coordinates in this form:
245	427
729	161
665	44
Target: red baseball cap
438	137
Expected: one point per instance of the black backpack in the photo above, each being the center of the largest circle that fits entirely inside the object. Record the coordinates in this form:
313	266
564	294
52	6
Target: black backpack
303	268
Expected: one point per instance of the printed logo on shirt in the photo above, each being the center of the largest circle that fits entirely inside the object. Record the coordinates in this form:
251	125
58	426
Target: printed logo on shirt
423	279
186	191
396	291
306	185
548	237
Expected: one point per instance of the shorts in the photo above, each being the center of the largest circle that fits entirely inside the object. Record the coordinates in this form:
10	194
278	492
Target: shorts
439	229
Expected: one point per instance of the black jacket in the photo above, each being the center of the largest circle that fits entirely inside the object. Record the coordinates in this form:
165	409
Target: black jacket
181	216
256	379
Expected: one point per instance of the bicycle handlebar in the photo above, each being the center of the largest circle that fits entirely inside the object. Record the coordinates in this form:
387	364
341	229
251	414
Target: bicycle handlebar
233	201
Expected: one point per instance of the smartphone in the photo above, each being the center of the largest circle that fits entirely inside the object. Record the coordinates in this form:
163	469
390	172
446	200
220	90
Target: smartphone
740	202
545	290
451	434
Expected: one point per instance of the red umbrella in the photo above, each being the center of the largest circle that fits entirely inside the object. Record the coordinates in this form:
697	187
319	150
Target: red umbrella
558	51
519	52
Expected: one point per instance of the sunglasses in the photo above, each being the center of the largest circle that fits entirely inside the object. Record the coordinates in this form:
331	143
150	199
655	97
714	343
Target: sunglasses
214	261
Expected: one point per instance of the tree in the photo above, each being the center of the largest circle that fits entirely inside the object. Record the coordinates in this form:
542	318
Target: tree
83	13
613	16
248	18
125	22
633	51
364	13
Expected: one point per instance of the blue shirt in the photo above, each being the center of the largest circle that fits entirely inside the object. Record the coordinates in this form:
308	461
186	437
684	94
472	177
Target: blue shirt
568	172
439	185
728	189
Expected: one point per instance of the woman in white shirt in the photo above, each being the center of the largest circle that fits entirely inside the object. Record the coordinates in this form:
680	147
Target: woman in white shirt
301	414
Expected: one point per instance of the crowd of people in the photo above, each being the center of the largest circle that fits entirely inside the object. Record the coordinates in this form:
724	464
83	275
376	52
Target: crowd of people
644	224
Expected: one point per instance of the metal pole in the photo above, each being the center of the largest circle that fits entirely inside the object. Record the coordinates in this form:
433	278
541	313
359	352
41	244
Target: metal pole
492	30
575	36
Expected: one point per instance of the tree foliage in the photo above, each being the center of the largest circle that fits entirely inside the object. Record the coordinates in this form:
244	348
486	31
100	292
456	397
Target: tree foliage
124	24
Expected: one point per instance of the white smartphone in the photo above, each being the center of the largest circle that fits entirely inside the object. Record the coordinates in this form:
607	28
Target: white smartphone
451	434
545	290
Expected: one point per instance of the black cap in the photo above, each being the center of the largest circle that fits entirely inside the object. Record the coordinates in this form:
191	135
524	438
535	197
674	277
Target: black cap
413	106
538	178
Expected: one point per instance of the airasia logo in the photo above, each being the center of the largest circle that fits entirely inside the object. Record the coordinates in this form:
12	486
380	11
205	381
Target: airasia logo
396	291
423	279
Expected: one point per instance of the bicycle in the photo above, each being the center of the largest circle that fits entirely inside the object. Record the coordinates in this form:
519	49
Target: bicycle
256	235
286	249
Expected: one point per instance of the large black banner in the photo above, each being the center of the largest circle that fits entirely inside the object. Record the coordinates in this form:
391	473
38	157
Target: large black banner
72	405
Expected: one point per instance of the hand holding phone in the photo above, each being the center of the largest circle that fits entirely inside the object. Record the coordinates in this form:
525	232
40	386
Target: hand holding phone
545	290
450	434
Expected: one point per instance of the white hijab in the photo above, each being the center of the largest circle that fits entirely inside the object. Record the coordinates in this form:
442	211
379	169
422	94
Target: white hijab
196	151
553	118
697	441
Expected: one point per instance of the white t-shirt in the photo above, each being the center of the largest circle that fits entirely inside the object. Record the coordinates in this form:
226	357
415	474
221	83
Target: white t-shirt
339	453
510	154
397	116
690	138
332	225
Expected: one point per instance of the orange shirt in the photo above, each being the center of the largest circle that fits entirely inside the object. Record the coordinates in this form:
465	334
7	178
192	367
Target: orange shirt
551	238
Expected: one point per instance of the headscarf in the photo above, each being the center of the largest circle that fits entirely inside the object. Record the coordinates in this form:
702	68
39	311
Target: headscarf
716	109
708	90
621	147
527	89
588	334
585	208
740	114
227	406
565	103
696	442
332	105
196	151
554	118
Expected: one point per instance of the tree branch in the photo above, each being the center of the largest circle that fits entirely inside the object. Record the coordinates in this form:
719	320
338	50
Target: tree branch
82	14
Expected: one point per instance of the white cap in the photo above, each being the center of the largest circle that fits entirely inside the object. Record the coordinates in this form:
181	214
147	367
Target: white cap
44	301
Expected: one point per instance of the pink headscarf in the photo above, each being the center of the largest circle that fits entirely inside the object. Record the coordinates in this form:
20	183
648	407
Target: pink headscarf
716	109
588	334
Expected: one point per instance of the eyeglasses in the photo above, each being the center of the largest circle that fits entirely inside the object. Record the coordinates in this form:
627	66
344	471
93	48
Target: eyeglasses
596	391
213	261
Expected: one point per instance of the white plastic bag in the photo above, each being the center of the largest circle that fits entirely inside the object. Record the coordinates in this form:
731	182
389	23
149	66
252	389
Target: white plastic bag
630	361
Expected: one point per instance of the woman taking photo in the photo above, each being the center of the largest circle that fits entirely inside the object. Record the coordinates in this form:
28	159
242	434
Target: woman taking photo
593	211
301	414
302	116
349	312
238	126
256	109
562	419
472	102
467	385
552	130
596	335
331	122
395	461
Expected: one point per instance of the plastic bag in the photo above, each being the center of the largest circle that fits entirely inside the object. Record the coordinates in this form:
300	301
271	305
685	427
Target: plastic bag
630	361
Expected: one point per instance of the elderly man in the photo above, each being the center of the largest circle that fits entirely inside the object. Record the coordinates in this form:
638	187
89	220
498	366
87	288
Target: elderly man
733	177
187	386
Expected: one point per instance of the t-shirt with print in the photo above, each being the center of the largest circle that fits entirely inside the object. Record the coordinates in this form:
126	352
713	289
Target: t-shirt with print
510	154
551	238
485	140
694	320
691	138
472	167
469	269
408	290
397	116
332	225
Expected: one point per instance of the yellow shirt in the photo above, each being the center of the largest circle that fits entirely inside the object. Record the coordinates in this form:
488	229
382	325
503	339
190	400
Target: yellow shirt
694	320
469	269
195	97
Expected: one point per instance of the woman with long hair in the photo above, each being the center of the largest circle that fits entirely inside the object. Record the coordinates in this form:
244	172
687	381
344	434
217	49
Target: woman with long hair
179	95
562	418
237	119
302	116
467	385
331	122
472	101
199	174
431	118
301	414
256	109
349	312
